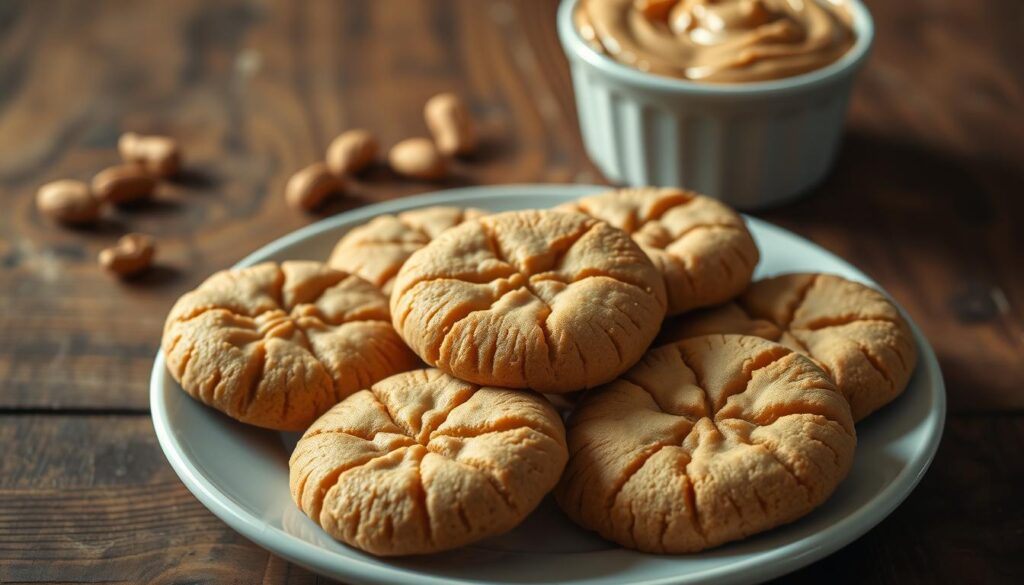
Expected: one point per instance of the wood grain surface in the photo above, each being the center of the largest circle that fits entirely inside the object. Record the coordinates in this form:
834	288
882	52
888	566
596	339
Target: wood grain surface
927	197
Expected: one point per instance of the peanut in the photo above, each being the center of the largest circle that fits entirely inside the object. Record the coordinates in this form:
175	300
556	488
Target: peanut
159	155
418	158
451	124
308	188
123	183
132	254
351	152
68	201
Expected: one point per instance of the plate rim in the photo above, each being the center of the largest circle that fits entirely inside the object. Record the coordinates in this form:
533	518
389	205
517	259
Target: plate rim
784	559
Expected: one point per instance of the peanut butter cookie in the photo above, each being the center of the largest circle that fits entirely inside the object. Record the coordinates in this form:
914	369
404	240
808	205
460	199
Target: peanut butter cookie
702	248
705	441
277	345
850	330
551	301
422	462
377	250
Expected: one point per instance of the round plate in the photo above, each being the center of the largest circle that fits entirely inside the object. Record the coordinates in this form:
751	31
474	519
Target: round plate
241	473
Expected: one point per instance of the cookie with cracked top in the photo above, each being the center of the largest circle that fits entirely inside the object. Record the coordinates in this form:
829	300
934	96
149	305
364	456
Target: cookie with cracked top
850	330
422	462
276	346
552	301
705	441
701	247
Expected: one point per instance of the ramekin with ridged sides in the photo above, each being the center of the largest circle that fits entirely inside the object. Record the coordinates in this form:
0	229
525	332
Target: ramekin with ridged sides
751	145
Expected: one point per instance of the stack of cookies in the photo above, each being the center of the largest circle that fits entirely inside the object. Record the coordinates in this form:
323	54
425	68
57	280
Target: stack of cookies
699	408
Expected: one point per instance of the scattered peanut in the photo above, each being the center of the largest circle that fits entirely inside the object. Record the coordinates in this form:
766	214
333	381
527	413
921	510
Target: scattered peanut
451	124
68	201
159	155
308	188
351	152
132	254
123	183
418	158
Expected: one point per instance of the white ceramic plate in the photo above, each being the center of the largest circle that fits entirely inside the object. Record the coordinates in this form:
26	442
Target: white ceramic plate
241	473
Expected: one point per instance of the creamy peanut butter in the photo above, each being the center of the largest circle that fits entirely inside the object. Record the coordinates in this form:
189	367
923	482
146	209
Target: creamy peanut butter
725	41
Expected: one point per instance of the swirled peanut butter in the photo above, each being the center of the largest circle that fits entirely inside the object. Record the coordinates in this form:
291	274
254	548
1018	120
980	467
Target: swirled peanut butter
725	41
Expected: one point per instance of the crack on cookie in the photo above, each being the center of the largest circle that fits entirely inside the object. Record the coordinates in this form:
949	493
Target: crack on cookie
391	417
363	315
617	346
495	484
542	324
771	452
353	366
724	264
727	493
676	199
632	469
276	290
835	454
332	479
840	320
769	416
507	424
663	520
427	431
760	503
461	511
690	498
799	301
682	268
874	362
709	410
352	432
175	340
421	500
183	363
570	243
750	367
628	316
577	475
583	359
714	225
286	396
689	418
598	272
463	278
196	312
804	348
209	386
461	313
493	246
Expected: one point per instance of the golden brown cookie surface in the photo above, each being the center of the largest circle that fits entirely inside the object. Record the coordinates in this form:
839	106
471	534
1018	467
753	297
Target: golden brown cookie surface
422	462
376	251
701	246
705	441
277	345
552	301
851	330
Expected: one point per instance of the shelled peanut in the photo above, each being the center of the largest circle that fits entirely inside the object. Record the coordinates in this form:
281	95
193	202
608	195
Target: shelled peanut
132	254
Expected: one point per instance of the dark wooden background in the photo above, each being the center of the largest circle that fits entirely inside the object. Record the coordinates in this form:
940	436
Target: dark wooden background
927	197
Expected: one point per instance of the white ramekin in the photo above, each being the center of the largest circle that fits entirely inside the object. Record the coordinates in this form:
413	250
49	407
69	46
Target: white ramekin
751	145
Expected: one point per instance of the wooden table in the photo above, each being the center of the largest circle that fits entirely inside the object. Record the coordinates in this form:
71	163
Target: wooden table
927	197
